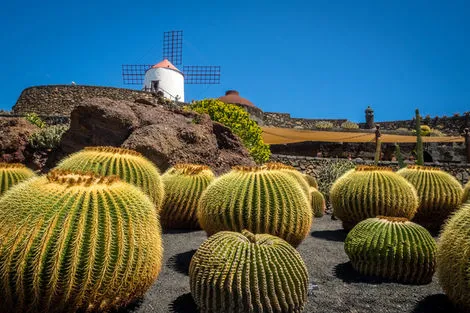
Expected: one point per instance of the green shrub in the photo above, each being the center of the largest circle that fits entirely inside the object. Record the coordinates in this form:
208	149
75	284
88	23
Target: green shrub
34	119
329	171
239	121
425	131
436	133
48	137
349	125
323	125
404	131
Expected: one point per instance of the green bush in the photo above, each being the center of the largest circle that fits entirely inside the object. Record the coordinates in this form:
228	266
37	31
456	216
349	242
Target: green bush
425	130
34	119
436	133
349	125
329	171
48	137
323	125
239	121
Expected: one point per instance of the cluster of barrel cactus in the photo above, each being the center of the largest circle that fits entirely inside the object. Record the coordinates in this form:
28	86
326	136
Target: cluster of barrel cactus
369	191
393	248
12	174
439	194
242	272
129	165
259	199
72	240
184	184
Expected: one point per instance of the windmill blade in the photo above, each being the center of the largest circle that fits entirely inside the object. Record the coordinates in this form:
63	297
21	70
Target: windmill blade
173	46
133	74
205	74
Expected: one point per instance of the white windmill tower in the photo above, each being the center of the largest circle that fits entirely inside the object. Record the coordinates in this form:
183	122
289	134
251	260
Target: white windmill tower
164	76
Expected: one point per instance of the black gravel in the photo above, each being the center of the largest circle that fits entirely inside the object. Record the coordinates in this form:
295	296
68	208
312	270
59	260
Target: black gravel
334	285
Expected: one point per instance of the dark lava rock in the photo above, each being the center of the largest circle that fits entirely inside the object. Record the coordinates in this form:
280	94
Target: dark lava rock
163	134
14	134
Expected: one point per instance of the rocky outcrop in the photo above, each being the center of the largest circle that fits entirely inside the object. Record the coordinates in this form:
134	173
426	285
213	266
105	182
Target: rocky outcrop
14	134
164	135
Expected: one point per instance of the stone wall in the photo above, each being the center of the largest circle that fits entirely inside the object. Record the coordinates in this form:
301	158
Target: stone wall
286	121
310	165
61	99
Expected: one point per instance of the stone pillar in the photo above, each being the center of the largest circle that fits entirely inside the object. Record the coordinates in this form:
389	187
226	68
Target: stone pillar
369	118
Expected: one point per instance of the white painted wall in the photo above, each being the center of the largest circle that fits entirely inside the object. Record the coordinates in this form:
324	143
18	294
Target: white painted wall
171	82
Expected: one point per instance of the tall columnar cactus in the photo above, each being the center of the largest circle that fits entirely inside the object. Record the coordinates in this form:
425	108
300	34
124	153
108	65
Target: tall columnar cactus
453	258
239	273
312	181
466	193
299	177
419	140
73	241
369	191
12	174
129	165
392	248
184	184
439	193
259	200
318	202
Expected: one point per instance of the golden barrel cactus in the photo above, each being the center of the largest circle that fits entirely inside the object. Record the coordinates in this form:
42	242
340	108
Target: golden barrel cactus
71	241
369	191
439	194
259	200
241	272
129	165
466	193
453	258
312	181
392	248
12	174
184	184
298	176
318	202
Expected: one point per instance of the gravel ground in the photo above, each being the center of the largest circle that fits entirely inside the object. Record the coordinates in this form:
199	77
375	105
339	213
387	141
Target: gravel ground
334	285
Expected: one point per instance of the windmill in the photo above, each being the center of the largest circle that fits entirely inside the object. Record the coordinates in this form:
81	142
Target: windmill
164	76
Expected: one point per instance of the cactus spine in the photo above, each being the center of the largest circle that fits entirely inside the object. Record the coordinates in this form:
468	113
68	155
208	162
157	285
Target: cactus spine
392	248
298	176
419	140
369	191
184	184
71	241
453	258
259	200
129	165
466	193
12	174
239	273
318	202
439	193
312	181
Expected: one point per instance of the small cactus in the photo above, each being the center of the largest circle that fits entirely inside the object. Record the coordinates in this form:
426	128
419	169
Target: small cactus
12	174
242	272
298	176
392	248
369	191
184	184
453	258
439	193
129	165
318	202
72	241
466	193
259	200
312	181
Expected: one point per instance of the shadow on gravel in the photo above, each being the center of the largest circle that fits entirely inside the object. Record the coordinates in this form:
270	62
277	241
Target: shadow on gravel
331	235
180	262
435	304
183	304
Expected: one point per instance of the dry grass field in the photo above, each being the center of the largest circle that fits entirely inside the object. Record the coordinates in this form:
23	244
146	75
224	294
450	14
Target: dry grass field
275	135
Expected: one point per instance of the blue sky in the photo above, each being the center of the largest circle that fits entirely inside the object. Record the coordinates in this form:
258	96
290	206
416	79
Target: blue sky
317	59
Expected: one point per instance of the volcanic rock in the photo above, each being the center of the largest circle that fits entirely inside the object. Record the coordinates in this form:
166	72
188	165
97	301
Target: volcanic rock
14	134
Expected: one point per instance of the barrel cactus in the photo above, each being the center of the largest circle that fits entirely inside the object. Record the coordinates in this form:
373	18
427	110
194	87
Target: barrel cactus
184	184
312	181
298	176
129	165
466	193
241	272
439	193
369	191
259	200
453	258
12	174
72	241
392	248
318	202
